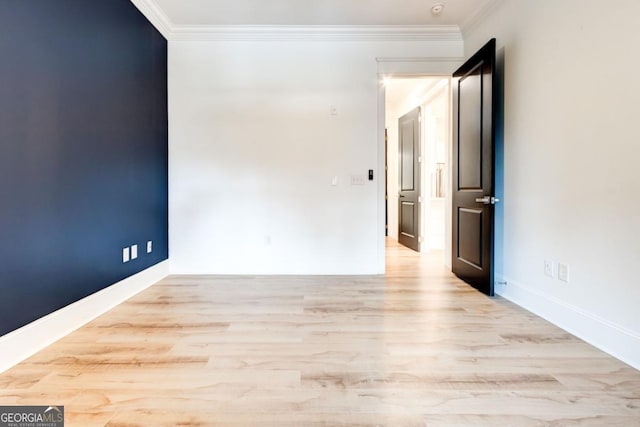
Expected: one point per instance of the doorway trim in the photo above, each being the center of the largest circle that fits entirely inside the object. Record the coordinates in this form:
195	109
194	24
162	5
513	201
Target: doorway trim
407	68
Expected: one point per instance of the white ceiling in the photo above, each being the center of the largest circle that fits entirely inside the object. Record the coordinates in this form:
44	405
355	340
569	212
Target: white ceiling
317	12
413	90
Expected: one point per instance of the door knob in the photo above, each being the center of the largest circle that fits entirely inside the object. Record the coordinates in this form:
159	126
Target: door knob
488	200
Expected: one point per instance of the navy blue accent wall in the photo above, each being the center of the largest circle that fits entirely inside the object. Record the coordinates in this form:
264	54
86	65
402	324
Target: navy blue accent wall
83	151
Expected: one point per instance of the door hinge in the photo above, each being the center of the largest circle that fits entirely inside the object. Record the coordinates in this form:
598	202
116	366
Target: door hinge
419	199
419	239
419	159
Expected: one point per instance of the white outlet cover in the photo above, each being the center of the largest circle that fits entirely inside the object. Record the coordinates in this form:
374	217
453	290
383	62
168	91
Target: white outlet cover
548	268
125	255
134	251
149	246
563	272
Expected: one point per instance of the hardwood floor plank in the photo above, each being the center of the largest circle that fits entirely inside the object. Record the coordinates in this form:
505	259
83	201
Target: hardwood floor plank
416	347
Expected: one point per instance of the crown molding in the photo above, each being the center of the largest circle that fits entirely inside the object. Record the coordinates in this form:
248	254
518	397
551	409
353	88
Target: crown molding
381	33
316	33
480	15
156	16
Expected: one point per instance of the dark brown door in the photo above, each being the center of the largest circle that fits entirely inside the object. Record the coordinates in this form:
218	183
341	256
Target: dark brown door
473	164
409	188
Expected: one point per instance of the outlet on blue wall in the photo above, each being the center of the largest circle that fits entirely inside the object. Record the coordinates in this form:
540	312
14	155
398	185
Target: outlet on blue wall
83	151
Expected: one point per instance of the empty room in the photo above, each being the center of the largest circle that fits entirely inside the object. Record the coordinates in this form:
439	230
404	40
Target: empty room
319	213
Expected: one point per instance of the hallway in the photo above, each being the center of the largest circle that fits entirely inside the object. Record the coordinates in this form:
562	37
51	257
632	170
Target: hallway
413	348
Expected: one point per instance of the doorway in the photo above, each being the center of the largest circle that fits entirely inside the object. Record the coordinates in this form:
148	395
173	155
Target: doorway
430	96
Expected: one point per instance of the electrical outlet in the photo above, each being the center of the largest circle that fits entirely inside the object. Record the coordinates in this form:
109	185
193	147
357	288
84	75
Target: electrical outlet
548	268
125	254
563	272
149	246
134	251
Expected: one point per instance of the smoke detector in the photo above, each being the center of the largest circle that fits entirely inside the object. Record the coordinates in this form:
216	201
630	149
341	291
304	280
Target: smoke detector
437	9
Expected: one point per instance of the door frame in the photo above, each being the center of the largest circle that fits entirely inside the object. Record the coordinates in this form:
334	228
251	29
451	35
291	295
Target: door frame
406	67
397	68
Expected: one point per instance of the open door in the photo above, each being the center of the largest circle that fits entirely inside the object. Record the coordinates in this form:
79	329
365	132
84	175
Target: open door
409	184
473	169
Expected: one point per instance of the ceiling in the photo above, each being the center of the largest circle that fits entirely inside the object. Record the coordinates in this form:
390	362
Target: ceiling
317	12
412	90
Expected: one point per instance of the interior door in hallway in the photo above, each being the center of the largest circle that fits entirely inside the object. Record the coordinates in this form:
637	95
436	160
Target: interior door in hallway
409	180
473	169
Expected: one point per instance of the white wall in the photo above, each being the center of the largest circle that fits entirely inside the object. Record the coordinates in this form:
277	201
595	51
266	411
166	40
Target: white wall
392	114
571	147
436	144
254	148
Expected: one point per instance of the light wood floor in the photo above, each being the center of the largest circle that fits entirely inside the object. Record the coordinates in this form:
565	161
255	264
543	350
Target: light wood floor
414	348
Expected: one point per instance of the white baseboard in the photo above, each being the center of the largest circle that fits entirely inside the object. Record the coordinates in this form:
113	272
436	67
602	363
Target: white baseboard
609	337
22	343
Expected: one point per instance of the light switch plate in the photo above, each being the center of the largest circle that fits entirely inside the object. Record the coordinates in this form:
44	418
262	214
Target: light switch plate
357	179
125	254
134	251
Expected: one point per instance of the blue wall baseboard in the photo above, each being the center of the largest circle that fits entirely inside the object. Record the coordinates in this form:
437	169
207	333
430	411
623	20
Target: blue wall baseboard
83	151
